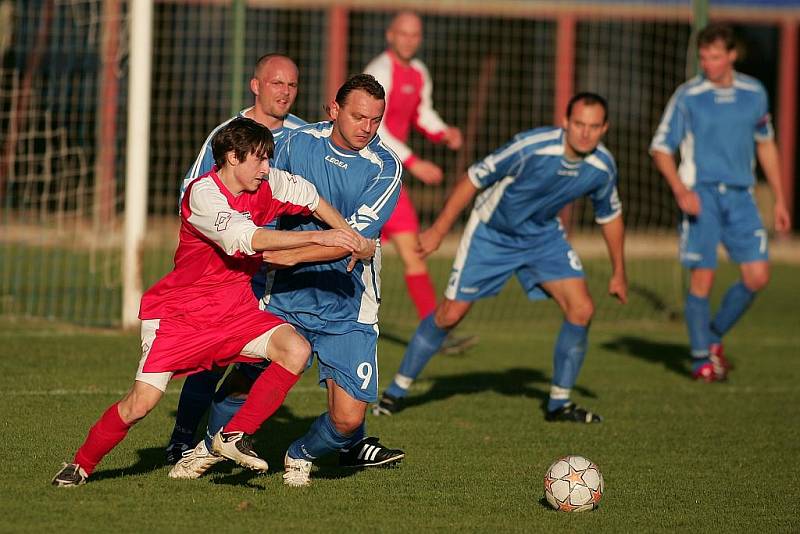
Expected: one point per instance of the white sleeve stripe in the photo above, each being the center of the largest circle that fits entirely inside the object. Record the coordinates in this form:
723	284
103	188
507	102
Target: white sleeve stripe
292	189
538	138
428	118
475	181
663	127
384	198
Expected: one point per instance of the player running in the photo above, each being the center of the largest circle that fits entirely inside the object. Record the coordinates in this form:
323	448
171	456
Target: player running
217	254
514	229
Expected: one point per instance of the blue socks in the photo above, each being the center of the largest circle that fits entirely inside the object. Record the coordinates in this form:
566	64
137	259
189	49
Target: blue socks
222	411
735	302
702	331
426	342
196	396
568	356
321	439
697	315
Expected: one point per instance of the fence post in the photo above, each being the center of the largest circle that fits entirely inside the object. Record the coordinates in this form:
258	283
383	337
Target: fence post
237	54
787	104
565	84
336	58
105	164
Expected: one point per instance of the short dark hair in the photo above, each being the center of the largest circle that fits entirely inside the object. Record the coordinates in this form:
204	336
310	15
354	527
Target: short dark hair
260	62
588	99
243	136
717	32
364	82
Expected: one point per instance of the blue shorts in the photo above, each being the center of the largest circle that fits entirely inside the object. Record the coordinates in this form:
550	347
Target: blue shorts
728	215
486	259
346	352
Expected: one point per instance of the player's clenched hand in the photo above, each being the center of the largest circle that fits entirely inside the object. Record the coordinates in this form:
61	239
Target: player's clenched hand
618	287
429	241
346	239
452	138
427	172
783	222
366	249
689	202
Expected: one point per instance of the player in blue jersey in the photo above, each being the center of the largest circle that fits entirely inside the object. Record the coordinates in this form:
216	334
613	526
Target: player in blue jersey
716	118
274	87
514	229
335	309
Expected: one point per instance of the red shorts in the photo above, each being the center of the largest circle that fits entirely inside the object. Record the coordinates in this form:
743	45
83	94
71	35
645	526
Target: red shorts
404	218
182	346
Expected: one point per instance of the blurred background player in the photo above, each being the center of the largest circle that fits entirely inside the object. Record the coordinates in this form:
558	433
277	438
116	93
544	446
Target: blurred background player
716	118
217	254
409	102
274	87
514	229
335	309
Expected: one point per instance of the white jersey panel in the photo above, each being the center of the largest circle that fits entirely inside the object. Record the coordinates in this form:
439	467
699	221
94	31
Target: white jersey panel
213	217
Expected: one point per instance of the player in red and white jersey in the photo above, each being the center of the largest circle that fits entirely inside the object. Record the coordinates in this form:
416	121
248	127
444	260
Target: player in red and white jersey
409	103
203	313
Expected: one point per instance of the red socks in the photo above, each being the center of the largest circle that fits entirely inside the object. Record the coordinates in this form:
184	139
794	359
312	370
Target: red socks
420	289
266	396
106	433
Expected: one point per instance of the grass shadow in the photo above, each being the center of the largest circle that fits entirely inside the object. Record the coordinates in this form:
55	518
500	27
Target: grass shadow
150	459
515	382
673	356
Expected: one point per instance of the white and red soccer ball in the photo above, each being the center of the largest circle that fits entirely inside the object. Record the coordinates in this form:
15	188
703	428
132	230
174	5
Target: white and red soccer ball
573	484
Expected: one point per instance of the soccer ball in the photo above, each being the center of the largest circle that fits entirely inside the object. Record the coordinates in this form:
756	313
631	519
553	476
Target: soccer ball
573	484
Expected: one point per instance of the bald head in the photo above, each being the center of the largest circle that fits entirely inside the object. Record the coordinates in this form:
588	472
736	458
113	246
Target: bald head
404	35
273	61
274	85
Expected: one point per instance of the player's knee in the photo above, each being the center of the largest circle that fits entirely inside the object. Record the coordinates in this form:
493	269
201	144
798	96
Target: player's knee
757	280
347	423
581	313
448	317
134	408
297	353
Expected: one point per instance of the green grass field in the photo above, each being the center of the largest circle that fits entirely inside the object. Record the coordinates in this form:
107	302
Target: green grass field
676	455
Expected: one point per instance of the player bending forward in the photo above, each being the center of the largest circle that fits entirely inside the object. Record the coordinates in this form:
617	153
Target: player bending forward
217	254
514	229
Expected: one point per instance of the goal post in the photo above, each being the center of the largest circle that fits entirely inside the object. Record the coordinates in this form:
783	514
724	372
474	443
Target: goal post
138	153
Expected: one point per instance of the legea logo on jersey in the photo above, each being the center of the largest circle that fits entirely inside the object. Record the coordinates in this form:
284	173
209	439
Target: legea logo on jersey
569	169
221	224
337	162
724	96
